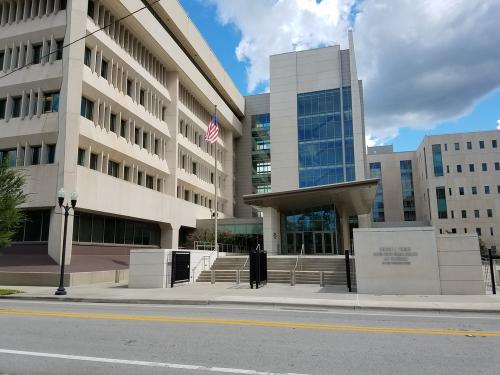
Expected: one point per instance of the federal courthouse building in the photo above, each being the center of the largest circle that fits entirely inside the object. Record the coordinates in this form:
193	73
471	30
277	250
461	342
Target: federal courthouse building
120	117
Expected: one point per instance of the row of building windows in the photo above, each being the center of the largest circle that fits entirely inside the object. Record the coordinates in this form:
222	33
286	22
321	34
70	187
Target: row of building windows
34	228
29	155
128	172
197	167
479	231
120	78
29	104
22	10
474	191
469	145
190	195
127	41
32	53
98	229
477	215
195	135
125	128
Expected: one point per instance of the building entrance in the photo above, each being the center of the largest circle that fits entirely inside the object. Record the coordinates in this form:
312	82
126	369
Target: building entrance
316	229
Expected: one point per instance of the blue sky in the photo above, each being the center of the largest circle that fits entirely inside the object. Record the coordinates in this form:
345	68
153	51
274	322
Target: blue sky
480	113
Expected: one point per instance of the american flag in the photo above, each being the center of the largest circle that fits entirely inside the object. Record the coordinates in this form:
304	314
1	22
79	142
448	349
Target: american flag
213	130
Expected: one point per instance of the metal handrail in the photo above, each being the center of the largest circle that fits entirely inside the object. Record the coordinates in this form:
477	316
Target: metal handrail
299	257
203	258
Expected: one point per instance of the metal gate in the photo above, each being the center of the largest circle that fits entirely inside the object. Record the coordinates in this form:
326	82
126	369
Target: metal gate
180	267
489	271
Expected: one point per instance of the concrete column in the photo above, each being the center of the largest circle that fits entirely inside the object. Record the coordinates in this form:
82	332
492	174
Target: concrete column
346	237
272	230
169	236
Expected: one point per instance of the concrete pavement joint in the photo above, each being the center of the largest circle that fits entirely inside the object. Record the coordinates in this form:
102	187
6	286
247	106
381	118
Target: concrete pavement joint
356	306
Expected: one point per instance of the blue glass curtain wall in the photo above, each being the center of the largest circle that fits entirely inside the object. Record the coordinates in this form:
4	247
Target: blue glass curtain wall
378	214
323	140
407	190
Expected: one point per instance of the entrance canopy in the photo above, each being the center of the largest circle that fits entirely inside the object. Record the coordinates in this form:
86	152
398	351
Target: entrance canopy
350	198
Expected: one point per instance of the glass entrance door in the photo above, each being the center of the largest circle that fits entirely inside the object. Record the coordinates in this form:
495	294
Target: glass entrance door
318	243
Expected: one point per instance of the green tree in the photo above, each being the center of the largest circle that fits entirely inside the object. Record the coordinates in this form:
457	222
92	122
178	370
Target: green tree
11	197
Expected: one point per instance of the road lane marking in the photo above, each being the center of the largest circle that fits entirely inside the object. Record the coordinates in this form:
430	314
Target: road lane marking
143	363
444	315
254	323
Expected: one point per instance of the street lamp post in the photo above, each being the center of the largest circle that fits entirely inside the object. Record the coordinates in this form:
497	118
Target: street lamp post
60	198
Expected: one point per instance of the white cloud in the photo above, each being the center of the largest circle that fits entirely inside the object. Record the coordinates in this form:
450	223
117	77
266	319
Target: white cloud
422	61
498	124
275	26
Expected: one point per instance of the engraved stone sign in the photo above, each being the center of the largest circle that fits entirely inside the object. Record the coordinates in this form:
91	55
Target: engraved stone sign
396	255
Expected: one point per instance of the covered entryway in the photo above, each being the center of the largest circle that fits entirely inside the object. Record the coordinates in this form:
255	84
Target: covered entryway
316	218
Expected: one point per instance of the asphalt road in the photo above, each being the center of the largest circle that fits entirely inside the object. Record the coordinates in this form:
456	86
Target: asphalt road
76	338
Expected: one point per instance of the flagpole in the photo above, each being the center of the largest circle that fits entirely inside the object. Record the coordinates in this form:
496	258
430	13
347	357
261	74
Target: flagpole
215	185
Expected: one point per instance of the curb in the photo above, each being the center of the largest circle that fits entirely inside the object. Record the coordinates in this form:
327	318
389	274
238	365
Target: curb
324	307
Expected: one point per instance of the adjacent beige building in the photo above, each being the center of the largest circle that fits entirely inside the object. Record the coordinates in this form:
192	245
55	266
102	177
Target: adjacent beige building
452	182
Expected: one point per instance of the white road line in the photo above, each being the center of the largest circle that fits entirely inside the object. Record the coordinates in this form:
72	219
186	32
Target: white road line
333	311
143	363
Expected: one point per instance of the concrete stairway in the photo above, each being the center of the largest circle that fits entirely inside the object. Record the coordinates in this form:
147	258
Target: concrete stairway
278	270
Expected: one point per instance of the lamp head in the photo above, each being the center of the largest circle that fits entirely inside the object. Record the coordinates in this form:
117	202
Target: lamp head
74	198
60	197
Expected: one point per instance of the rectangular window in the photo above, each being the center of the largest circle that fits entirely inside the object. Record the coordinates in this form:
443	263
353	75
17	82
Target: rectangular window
494	143
194	168
126	173
3	105
378	212
141	97
90	8
149	182
145	140
489	212
469	145
461	191
464	214
457	146
37	54
139	178
123	128
459	168
446	147
484	167
93	161
87	56
59	49
157	146
486	190
491	231
471	167
481	144
474	190
81	157
164	113
51	102
2	58
407	190
104	69
476	214
129	87
35	155
136	136
497	166
454	230
112	123
113	168
498	189
441	202
16	107
9	157
452	214
51	153
87	109
478	231
447	169
449	192
437	159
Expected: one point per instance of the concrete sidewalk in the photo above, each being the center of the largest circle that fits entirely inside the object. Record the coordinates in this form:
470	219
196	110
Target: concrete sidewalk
279	295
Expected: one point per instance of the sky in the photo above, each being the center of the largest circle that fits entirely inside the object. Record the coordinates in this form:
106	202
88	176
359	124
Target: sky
428	66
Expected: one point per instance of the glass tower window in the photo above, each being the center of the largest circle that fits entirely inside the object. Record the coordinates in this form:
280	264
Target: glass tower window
326	146
261	153
437	159
407	190
441	202
378	214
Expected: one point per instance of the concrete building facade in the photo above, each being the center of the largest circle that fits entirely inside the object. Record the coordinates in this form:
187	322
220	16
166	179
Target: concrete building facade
118	117
451	182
